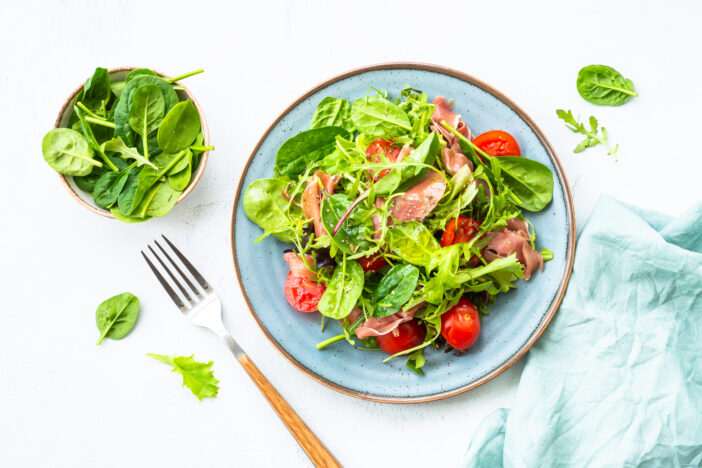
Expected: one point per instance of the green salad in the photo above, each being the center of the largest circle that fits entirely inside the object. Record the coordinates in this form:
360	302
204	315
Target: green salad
133	144
402	225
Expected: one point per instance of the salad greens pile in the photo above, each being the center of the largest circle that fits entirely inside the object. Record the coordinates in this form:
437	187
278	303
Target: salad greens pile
133	144
419	271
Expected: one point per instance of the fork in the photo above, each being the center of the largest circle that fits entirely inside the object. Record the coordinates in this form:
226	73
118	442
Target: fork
203	307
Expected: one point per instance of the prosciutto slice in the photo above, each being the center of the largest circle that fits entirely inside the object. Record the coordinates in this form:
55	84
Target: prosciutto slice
454	160
420	199
312	198
514	238
382	326
443	111
297	266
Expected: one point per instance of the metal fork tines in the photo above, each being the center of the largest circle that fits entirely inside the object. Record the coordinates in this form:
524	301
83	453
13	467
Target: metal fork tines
197	300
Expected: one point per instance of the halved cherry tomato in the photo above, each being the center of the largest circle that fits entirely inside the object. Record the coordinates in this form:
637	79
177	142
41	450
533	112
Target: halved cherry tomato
382	148
303	293
457	232
407	335
372	263
460	326
497	143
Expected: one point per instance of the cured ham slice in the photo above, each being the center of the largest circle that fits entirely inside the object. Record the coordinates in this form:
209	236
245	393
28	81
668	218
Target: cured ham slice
443	111
514	238
420	199
312	198
382	326
454	160
297	266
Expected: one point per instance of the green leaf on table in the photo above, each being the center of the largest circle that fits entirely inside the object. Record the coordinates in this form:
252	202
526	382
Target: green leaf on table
604	86
115	317
593	136
197	376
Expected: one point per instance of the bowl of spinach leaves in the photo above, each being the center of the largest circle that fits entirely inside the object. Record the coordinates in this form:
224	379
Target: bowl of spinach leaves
130	143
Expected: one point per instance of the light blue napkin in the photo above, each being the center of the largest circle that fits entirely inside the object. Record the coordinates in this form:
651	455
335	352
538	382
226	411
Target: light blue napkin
616	379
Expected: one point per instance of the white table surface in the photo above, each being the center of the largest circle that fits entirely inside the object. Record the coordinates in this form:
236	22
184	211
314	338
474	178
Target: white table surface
66	402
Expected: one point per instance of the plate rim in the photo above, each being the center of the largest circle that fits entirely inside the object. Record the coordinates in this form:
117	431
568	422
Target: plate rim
570	252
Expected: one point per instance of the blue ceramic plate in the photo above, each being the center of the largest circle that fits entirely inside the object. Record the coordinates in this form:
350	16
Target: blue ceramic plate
515	321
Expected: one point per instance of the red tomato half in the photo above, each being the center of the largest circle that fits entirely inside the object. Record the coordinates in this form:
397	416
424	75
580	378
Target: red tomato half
303	293
382	148
457	232
372	263
497	143
407	335
460	326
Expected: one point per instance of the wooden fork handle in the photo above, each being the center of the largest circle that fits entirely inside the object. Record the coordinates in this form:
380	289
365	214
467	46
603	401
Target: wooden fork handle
318	453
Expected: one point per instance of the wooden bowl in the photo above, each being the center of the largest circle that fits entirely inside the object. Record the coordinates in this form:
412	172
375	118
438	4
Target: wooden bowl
117	74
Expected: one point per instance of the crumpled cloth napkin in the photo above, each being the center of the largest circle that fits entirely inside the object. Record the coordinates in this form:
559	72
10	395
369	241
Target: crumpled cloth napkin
616	379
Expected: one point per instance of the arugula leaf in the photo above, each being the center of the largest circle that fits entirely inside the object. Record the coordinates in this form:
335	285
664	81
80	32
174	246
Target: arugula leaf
116	316
604	86
117	145
197	376
592	136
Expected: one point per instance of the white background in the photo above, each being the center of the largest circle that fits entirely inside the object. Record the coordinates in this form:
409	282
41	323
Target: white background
66	402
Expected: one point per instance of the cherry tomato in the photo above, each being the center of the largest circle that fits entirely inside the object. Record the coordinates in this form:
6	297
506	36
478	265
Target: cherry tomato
460	326
302	293
407	335
372	263
497	143
382	148
463	231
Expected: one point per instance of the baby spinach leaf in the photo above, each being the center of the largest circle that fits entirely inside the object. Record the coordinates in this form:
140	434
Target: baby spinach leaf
126	218
351	236
306	148
412	242
108	187
197	376
333	112
180	127
530	180
394	290
139	71
87	183
117	87
343	290
116	145
158	201
123	106
604	86
128	200
68	152
180	180
147	109
264	205
96	91
116	316
376	116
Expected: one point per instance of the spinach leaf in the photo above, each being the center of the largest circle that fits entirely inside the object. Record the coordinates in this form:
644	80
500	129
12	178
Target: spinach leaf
394	290
530	180
116	316
604	86
68	152
124	105
412	242
333	112
139	71
117	213
158	201
197	376
96	91
128	200
87	183
306	148
108	187
376	116
351	236
147	110
180	127
264	205
343	290
179	180
593	137
116	145
117	87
